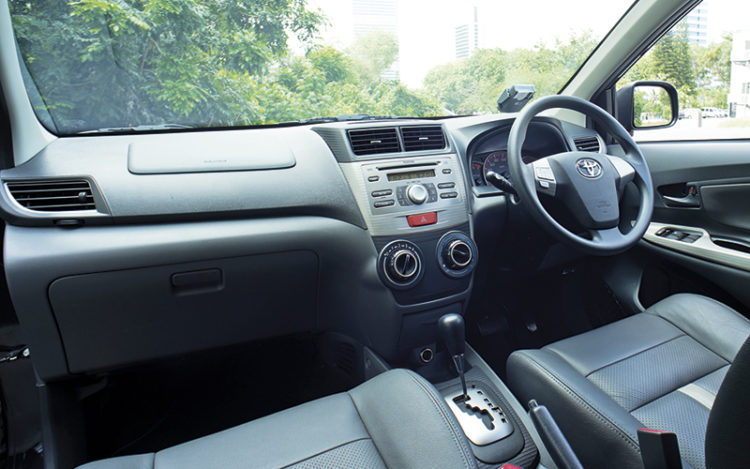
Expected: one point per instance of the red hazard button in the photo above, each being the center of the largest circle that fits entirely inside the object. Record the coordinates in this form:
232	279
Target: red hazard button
422	219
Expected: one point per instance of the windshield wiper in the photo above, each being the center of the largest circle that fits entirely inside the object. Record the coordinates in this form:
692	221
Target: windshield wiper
134	128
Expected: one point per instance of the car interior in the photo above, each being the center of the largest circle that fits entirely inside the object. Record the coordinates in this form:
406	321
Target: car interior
534	288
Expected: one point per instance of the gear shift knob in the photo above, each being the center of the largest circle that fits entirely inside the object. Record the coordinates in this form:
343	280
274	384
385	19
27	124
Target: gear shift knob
452	331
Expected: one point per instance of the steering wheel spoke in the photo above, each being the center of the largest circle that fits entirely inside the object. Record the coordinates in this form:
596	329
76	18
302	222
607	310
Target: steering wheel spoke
589	185
625	172
544	179
608	235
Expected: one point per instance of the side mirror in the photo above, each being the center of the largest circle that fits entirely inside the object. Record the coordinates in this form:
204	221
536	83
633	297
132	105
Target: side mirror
647	105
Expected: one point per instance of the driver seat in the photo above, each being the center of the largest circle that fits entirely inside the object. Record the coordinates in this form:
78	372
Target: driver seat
659	369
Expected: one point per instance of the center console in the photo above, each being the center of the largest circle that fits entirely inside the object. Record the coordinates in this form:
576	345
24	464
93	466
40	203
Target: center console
409	184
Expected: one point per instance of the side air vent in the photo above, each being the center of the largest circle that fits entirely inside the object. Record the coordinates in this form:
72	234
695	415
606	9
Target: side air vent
53	196
374	140
423	138
587	144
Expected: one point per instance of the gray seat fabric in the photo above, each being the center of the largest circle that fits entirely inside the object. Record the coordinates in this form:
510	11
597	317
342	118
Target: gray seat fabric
659	369
395	420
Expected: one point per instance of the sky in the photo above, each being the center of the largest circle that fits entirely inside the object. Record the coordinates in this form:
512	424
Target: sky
427	27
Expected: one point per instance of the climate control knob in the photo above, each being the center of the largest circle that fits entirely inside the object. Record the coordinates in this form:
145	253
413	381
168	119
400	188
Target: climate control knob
457	254
400	264
403	265
417	193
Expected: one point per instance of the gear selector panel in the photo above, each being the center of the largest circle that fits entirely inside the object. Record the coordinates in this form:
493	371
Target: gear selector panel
481	419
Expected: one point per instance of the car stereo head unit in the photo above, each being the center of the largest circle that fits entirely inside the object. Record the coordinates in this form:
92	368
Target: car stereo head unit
393	193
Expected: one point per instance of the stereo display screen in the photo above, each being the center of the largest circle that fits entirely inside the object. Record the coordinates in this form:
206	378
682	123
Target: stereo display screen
425	173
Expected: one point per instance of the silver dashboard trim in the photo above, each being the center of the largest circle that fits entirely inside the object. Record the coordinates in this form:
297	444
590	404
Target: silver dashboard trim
392	221
703	247
12	203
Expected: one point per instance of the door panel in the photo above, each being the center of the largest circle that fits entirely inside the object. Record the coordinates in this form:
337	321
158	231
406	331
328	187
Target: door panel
701	219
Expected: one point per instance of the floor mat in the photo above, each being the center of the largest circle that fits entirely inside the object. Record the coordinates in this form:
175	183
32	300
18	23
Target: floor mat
177	401
520	313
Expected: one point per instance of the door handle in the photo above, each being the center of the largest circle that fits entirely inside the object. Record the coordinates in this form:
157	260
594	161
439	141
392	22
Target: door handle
687	201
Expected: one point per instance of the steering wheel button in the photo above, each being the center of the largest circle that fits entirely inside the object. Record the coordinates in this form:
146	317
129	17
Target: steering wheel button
544	184
422	219
544	172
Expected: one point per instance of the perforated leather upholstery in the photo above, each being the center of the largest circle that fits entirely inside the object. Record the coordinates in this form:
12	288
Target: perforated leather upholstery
395	420
660	369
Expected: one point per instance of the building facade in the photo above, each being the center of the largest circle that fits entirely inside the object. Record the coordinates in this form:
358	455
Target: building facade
697	25
377	15
467	37
739	85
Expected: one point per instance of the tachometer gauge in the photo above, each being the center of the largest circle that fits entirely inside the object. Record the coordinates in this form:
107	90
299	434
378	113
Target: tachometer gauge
496	162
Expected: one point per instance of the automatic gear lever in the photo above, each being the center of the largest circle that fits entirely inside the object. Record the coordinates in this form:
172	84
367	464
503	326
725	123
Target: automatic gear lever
451	327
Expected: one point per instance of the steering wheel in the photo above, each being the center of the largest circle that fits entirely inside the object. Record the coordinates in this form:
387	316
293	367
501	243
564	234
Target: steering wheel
588	184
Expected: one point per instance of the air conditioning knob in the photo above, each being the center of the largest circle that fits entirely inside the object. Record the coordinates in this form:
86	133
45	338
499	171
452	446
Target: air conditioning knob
417	193
400	264
403	265
458	254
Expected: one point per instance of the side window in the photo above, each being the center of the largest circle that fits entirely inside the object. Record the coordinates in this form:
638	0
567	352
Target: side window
706	56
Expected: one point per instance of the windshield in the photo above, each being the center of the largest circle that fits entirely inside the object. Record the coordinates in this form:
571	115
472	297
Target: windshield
109	65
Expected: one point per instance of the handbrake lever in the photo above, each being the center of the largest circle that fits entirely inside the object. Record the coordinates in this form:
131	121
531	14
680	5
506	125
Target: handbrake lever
552	437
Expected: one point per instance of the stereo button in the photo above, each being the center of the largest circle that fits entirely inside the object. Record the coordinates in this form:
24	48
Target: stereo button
373	178
384	203
449	195
382	193
422	219
446	185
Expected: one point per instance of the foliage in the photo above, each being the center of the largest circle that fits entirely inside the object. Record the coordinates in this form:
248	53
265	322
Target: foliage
228	63
372	54
700	73
473	85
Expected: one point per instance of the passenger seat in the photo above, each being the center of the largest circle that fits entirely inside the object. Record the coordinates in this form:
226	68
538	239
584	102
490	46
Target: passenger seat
395	420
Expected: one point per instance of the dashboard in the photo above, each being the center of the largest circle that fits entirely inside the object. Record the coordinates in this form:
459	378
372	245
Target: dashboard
497	162
366	229
543	138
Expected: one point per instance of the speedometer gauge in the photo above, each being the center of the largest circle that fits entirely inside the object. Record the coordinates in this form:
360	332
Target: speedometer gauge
496	162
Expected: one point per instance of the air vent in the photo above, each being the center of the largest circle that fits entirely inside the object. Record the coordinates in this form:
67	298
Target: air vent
423	138
587	144
374	140
53	196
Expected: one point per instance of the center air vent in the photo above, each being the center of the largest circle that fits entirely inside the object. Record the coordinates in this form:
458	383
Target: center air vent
53	196
423	138
374	140
587	144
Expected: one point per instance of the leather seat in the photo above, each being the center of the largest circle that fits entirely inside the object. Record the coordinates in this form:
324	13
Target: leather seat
660	369
396	420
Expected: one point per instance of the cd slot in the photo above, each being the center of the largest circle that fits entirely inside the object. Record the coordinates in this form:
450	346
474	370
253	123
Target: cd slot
405	166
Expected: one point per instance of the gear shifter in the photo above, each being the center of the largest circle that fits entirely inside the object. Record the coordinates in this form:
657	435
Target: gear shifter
451	327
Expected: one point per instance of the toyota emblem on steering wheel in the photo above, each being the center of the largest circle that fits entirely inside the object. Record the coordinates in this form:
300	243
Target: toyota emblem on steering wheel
588	168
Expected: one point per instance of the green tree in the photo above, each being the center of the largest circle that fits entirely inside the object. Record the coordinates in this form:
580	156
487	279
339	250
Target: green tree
473	85
373	53
157	61
671	61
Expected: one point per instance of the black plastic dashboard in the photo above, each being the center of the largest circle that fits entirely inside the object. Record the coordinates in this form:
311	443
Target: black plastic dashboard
205	239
